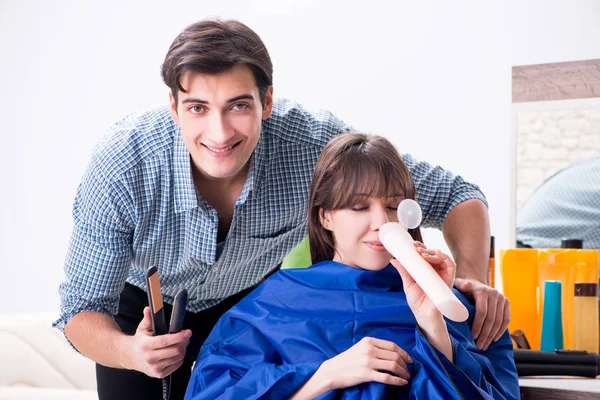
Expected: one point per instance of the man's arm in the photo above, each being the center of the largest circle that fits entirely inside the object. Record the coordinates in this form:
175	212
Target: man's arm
98	337
96	267
467	232
459	209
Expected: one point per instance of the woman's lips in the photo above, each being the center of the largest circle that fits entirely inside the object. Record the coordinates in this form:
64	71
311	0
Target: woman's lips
376	245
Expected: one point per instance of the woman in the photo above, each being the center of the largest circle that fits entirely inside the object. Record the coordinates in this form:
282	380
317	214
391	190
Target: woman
354	325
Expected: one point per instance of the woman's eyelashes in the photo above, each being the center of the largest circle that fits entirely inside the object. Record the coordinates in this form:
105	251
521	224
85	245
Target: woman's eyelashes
390	208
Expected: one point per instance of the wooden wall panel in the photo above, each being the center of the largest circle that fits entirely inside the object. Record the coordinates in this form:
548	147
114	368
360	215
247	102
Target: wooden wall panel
558	81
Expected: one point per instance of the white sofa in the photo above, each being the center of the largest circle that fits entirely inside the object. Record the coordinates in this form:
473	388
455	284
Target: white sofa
36	362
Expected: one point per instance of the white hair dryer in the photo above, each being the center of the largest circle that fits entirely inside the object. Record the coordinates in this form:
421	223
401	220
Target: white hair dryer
396	239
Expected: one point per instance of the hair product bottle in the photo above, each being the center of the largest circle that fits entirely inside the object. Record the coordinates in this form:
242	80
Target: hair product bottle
552	327
559	265
519	271
586	317
492	268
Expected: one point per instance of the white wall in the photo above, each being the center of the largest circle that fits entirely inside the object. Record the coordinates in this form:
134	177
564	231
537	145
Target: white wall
432	76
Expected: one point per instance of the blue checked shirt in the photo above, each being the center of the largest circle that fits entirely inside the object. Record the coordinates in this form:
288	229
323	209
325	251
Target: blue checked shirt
565	206
137	207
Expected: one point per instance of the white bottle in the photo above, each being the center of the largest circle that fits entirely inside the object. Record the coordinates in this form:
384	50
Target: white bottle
400	244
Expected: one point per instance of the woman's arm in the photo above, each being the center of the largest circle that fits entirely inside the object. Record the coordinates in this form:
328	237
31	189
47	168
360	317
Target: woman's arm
429	318
434	329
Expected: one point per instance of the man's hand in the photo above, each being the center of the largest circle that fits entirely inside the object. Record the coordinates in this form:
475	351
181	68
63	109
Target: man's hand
492	311
155	356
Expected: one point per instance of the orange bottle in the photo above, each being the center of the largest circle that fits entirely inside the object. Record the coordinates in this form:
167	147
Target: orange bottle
519	272
492	267
587	266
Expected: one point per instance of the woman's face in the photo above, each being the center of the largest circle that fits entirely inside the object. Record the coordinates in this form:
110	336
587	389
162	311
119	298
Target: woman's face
356	231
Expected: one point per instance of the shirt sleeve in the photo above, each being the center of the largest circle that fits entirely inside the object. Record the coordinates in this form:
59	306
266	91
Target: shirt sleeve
438	190
100	248
485	375
245	365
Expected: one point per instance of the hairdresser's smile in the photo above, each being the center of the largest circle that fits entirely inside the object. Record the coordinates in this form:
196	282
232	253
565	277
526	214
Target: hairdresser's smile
220	151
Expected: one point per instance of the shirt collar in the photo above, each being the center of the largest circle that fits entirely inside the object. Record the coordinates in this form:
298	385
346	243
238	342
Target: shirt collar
255	172
183	182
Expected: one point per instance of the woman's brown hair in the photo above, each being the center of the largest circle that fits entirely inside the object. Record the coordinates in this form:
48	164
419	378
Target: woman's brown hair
353	166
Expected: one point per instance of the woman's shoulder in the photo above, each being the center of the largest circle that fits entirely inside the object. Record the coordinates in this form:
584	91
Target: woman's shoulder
464	299
463	328
282	281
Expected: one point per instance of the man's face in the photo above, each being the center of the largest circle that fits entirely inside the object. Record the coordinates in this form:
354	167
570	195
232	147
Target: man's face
220	118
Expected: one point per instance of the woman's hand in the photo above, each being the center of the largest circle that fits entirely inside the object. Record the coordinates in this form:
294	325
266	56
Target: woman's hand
418	302
370	360
428	317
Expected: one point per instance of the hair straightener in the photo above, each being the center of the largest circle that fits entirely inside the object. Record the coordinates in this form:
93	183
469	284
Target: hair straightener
157	313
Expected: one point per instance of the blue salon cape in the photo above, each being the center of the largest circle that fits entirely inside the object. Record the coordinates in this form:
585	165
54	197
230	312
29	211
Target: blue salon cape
271	342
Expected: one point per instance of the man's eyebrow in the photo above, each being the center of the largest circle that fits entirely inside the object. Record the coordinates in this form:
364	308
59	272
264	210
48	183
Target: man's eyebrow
233	99
241	97
193	100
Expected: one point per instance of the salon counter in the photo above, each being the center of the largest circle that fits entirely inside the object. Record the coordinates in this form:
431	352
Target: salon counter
559	388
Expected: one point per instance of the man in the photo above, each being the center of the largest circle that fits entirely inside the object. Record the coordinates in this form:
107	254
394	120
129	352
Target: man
565	206
213	191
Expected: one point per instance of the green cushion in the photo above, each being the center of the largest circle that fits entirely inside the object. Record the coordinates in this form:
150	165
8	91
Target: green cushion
299	257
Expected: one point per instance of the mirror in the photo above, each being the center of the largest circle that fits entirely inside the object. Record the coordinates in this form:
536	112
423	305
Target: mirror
556	154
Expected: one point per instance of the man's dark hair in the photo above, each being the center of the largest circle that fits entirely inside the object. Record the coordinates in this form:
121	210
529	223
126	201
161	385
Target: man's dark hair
214	46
